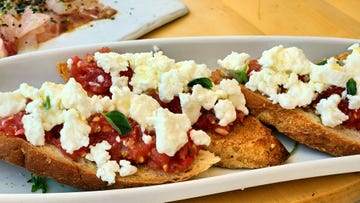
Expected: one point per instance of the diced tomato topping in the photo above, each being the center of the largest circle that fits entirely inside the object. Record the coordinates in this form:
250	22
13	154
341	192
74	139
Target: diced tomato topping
12	125
92	77
179	163
253	66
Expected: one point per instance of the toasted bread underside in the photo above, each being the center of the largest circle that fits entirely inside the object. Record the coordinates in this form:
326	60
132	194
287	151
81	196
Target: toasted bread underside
48	161
249	145
303	126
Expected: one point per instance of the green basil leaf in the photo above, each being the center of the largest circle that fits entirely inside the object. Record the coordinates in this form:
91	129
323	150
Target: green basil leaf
351	87
204	82
240	75
38	183
47	103
321	63
118	121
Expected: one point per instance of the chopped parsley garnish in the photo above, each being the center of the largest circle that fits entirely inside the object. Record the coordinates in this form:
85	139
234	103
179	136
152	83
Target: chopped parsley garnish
38	183
351	87
47	103
204	82
118	121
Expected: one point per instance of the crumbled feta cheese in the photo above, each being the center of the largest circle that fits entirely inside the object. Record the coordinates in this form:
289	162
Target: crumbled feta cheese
11	103
73	96
34	130
28	91
233	90
75	131
200	137
99	104
106	168
142	108
107	171
171	131
352	62
207	98
111	62
280	69
148	69
126	168
190	107
330	114
282	59
99	153
121	97
330	73
225	112
235	61
146	138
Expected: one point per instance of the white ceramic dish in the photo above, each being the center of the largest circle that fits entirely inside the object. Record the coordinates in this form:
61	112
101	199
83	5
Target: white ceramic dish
133	19
37	67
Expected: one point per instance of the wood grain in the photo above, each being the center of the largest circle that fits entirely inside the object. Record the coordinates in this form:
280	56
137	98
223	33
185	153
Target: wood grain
331	18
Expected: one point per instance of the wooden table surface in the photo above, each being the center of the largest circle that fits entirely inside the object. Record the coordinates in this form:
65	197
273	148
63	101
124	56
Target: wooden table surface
333	18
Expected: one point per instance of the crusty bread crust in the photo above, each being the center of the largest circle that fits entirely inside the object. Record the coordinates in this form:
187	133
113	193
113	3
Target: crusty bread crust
303	126
48	161
249	145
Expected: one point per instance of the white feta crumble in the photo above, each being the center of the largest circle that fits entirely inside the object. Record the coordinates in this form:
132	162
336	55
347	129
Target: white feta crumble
11	103
99	153
107	171
330	114
73	96
126	169
146	138
280	68
199	137
121	98
34	130
111	62
234	94
106	168
75	132
142	108
225	112
171	131
235	61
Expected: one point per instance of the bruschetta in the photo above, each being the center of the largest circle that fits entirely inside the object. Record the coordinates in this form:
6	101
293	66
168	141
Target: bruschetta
316	104
214	106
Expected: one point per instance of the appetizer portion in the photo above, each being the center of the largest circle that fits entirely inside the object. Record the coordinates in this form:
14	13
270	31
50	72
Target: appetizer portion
215	107
315	104
98	142
25	24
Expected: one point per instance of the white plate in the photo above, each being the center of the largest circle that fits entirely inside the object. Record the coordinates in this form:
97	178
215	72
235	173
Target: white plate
37	67
133	19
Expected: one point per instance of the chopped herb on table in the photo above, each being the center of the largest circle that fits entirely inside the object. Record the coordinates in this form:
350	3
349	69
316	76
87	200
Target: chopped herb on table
38	183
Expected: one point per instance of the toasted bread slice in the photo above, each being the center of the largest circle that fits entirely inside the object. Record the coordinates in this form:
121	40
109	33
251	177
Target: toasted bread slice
48	161
249	145
304	126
